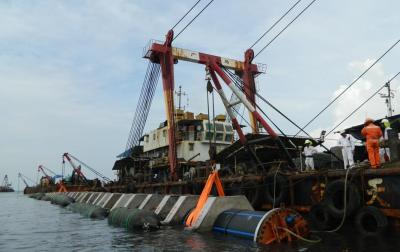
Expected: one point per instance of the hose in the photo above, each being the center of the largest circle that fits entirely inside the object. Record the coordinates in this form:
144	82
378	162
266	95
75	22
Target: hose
344	208
276	173
299	236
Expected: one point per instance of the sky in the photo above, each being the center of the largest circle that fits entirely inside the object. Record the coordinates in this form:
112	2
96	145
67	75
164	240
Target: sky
71	71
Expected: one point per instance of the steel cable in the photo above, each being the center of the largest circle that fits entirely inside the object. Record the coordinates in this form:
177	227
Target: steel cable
91	169
362	104
186	14
239	84
277	35
276	22
144	103
351	84
191	21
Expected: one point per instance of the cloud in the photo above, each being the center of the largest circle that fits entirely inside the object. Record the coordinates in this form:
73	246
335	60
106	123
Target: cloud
71	71
360	92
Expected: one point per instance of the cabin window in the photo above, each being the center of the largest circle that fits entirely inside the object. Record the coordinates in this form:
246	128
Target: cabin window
209	135
146	139
154	136
191	146
228	128
209	131
219	127
228	137
219	137
164	133
209	127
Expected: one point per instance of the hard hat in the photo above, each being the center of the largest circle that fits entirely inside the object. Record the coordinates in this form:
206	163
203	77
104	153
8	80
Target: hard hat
386	123
307	142
342	132
368	121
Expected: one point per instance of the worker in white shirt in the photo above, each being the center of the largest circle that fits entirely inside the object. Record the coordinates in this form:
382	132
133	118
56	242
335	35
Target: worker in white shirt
308	152
347	142
385	151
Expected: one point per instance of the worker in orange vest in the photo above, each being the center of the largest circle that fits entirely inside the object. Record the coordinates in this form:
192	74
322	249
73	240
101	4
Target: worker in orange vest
372	133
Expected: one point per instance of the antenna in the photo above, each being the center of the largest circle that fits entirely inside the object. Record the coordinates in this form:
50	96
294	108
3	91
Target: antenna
180	94
388	99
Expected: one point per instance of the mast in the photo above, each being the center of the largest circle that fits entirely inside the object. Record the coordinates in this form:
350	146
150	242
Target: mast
388	99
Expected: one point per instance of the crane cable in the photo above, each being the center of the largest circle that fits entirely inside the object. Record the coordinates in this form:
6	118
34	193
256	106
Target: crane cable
276	22
351	84
191	21
23	176
90	168
186	14
287	26
240	85
362	104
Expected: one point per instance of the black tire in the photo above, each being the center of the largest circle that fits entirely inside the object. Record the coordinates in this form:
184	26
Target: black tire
232	189
281	190
320	218
371	221
197	188
251	190
334	198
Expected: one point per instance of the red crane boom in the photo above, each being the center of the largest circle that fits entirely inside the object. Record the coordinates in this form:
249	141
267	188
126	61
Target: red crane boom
166	55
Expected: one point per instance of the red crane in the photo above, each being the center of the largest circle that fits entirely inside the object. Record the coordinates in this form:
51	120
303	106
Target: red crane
166	55
22	177
77	169
42	168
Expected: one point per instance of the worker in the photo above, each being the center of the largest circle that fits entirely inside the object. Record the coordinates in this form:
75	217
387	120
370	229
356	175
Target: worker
308	152
372	133
384	151
347	142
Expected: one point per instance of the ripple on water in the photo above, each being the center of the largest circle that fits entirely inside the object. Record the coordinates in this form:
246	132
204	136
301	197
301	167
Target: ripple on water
30	225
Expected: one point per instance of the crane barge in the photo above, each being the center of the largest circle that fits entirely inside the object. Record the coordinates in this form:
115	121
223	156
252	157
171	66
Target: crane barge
176	158
5	186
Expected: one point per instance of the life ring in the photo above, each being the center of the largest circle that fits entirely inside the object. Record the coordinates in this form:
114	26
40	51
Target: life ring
334	198
371	221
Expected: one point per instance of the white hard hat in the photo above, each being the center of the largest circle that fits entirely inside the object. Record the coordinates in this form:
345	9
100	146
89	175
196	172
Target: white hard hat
342	132
385	120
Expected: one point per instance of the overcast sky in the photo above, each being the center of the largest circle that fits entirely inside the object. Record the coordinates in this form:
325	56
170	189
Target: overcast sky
71	71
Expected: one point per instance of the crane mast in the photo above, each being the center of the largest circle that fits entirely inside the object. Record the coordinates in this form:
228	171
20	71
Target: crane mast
41	168
74	166
23	180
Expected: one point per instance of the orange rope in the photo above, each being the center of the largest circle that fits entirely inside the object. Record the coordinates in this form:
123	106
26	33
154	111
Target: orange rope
213	178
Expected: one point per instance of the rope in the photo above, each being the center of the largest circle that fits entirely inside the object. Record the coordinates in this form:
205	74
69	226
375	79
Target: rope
191	21
299	236
276	22
294	19
276	173
344	207
362	104
351	84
